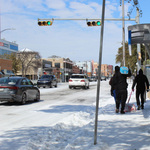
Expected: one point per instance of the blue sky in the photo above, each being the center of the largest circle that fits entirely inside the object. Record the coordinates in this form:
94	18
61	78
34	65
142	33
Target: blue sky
71	39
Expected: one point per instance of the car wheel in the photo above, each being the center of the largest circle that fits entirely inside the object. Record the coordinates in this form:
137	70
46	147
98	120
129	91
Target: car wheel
74	87
24	98
43	86
56	85
50	85
69	87
85	87
88	86
37	97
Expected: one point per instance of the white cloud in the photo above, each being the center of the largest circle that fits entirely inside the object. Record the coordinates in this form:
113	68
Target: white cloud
55	4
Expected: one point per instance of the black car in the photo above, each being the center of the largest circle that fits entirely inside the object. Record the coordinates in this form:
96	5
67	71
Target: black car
93	78
47	81
19	89
103	78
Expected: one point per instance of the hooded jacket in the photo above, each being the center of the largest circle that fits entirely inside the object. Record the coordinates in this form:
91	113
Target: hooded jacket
119	80
140	81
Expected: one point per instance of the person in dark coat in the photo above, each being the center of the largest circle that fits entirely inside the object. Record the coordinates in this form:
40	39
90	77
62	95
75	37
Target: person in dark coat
120	84
140	81
113	93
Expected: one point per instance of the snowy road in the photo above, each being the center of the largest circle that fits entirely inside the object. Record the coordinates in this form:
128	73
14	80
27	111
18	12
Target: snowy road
55	105
64	120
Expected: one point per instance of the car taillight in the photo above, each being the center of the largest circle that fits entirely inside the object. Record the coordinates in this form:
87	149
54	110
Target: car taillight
13	87
82	80
70	80
10	87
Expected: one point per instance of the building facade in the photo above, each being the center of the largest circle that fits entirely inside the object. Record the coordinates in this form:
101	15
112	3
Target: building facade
106	70
85	67
64	67
7	47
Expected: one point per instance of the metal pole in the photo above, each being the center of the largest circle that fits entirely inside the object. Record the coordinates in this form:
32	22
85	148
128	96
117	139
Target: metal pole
85	19
99	73
138	45
123	33
65	69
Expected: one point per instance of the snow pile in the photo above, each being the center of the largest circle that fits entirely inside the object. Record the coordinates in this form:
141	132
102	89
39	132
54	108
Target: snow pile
75	132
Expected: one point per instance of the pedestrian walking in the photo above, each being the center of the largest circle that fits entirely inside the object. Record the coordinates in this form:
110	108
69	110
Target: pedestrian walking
140	81
120	84
113	93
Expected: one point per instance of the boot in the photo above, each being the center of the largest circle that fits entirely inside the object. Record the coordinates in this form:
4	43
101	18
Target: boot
122	111
142	106
138	108
117	110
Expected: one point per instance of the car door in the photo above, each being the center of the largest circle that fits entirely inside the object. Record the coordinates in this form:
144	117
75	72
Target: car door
24	88
31	90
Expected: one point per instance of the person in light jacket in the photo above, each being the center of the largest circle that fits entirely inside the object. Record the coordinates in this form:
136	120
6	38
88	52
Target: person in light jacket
140	81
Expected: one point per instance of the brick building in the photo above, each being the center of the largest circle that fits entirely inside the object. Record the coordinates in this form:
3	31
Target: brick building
6	47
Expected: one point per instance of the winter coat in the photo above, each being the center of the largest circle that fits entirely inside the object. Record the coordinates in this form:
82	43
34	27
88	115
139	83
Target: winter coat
140	81
119	80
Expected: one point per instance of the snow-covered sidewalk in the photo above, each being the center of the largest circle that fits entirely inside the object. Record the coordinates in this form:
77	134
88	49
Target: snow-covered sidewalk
129	131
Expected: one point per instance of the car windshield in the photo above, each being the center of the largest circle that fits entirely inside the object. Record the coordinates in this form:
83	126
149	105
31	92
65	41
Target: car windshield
8	81
45	77
77	76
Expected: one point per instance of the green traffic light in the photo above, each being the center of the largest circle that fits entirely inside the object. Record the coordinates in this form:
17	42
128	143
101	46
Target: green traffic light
98	23
48	23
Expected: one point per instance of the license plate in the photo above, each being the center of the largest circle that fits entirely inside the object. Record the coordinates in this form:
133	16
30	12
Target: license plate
76	80
1	89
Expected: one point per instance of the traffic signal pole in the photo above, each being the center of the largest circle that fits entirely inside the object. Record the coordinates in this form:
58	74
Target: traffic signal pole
85	19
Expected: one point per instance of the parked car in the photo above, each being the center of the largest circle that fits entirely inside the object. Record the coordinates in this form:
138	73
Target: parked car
103	78
93	78
79	80
19	89
47	81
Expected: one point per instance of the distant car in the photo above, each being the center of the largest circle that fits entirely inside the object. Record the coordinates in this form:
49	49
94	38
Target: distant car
93	78
19	89
47	81
103	78
79	80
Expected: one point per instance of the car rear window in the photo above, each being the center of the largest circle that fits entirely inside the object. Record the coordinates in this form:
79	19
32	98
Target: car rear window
45	77
77	76
8	81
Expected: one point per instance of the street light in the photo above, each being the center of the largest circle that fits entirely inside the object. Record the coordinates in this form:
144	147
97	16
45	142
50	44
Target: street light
5	30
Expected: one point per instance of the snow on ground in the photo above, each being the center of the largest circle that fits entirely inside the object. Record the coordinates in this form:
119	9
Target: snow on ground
130	131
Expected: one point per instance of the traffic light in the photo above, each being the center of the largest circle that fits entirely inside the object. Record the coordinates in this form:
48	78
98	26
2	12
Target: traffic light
94	23
45	23
139	56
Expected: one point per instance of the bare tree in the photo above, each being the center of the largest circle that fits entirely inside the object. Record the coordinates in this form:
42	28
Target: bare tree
29	59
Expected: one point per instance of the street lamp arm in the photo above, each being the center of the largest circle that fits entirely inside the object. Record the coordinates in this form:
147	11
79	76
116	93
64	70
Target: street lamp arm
7	29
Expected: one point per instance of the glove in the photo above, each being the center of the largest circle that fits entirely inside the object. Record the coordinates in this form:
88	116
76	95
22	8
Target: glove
147	90
112	94
132	90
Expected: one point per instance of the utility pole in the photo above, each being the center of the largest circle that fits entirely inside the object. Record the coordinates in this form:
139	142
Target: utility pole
99	73
138	45
123	33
